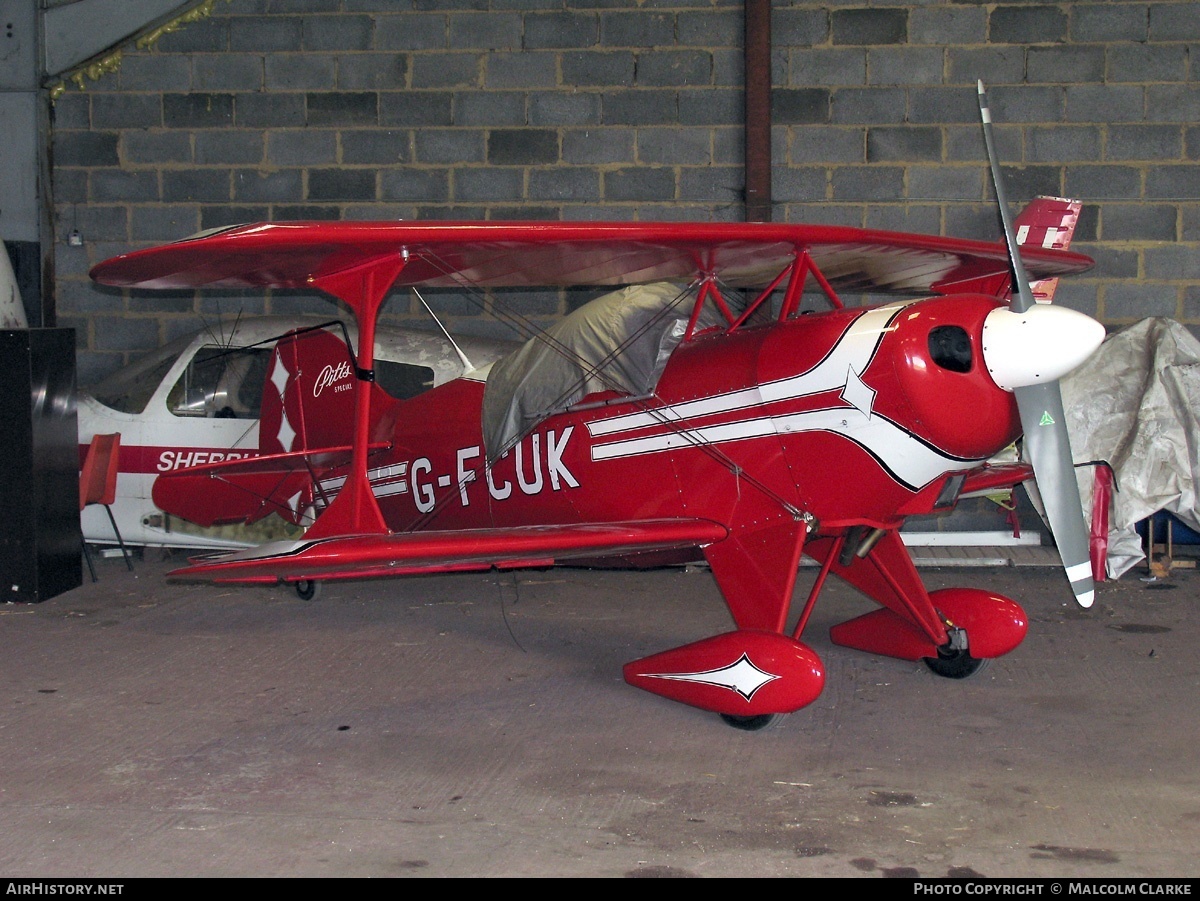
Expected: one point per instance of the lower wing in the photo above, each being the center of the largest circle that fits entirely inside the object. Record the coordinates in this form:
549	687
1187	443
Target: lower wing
410	553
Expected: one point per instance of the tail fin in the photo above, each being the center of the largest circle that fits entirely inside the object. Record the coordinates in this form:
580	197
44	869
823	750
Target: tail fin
308	396
1047	222
306	435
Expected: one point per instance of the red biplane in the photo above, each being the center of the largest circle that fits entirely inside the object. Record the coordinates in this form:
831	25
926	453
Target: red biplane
700	408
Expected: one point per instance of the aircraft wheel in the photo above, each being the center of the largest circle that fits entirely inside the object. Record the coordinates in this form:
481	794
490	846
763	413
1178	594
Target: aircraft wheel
307	589
955	664
750	723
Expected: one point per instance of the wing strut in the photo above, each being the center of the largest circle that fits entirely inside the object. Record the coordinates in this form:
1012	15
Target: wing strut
364	289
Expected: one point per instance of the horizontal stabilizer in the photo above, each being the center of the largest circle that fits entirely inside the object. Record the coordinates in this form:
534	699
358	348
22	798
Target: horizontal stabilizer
406	553
244	491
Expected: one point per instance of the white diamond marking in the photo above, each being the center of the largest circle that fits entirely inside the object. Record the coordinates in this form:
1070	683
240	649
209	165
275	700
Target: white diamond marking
858	394
279	374
286	433
743	677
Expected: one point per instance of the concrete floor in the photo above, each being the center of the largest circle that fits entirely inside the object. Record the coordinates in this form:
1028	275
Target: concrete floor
478	725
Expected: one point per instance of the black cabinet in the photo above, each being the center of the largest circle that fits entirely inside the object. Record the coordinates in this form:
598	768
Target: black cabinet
41	545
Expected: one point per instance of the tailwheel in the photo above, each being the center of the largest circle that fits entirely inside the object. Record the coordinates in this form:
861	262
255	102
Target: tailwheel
955	664
750	723
307	589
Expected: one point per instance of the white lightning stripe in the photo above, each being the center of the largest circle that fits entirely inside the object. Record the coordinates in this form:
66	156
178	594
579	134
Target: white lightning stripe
385	481
395	486
908	459
389	490
853	352
392	469
716	434
378	474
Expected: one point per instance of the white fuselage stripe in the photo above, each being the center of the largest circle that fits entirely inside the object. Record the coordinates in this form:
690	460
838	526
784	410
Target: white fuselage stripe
909	459
853	352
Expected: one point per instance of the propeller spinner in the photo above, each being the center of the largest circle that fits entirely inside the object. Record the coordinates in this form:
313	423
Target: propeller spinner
1031	347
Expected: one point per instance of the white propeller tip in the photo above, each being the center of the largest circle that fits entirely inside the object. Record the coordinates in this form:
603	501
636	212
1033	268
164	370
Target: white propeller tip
1080	577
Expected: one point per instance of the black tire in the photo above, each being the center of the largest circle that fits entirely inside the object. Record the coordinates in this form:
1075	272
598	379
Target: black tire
750	723
307	589
955	664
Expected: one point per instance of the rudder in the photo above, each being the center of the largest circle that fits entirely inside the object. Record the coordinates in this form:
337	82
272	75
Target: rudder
309	394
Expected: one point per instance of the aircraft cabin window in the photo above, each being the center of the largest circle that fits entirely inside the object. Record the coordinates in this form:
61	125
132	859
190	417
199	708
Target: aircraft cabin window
950	348
402	380
129	390
221	382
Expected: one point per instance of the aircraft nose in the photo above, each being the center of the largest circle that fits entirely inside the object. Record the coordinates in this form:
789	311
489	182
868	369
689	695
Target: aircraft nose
1040	345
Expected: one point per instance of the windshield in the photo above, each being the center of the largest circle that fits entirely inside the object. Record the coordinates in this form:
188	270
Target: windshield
128	390
618	341
222	382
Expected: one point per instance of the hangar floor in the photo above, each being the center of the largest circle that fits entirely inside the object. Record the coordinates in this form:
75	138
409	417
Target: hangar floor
478	725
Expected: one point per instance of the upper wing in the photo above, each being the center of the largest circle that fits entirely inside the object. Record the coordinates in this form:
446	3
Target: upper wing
516	254
404	553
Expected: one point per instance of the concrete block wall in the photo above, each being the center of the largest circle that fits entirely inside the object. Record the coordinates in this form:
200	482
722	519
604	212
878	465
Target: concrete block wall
627	109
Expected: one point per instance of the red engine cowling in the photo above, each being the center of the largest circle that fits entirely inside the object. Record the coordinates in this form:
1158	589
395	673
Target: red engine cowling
937	361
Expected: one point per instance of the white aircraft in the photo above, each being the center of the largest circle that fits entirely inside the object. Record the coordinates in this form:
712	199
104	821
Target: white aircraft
12	310
197	400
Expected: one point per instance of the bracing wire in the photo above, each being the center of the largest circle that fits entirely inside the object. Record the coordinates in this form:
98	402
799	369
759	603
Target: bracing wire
525	327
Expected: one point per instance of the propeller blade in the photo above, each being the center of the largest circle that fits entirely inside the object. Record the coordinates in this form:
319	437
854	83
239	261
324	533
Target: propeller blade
1024	297
1046	444
1047	447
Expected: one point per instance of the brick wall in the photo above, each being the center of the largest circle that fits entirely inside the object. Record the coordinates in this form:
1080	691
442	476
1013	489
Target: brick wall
374	109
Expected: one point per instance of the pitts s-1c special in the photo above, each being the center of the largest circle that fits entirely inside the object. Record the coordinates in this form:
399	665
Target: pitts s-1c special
696	410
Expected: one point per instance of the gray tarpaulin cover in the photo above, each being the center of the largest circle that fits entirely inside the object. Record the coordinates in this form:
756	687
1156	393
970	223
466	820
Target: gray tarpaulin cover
1134	403
620	341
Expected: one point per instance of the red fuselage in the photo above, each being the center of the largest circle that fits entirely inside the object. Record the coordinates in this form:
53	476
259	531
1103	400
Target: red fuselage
852	416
